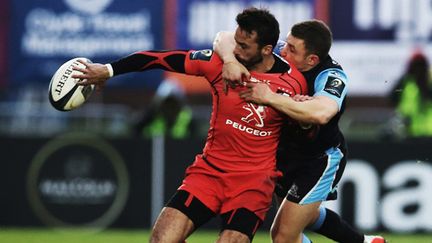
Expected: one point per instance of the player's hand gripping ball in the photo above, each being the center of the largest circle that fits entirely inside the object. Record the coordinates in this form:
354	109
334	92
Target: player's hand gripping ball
63	92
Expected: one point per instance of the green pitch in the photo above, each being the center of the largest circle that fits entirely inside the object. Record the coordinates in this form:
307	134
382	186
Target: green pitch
20	235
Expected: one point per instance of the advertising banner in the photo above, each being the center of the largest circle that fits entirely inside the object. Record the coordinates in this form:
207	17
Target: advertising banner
199	21
373	40
386	186
85	180
45	34
76	180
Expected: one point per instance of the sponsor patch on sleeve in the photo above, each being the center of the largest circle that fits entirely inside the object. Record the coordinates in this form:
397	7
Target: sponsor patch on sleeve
204	55
334	86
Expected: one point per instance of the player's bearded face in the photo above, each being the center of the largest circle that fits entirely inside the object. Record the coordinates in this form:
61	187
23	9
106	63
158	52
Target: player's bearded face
251	61
247	50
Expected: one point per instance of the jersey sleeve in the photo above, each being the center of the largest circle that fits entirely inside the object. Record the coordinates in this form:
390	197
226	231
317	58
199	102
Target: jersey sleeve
332	83
204	63
173	60
200	63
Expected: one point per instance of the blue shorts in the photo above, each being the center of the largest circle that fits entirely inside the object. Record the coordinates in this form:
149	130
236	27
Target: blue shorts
311	180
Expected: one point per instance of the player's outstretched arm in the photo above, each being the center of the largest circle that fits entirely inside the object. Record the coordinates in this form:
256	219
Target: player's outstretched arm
93	73
98	74
232	71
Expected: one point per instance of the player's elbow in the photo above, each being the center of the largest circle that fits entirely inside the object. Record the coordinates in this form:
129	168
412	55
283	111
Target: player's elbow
222	37
322	114
217	40
319	110
322	117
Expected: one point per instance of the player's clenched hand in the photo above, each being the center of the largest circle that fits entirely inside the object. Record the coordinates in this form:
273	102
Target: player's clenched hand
234	71
93	73
301	98
258	93
234	74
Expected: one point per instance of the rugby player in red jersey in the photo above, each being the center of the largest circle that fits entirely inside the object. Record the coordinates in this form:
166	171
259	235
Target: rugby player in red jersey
235	175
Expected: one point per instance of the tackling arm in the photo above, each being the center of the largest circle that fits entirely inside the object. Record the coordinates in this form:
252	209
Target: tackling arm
318	110
224	45
313	110
330	89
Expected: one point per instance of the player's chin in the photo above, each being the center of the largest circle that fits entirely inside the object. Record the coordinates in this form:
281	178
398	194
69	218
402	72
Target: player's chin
241	60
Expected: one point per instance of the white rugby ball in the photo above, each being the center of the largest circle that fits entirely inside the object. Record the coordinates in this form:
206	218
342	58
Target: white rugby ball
64	92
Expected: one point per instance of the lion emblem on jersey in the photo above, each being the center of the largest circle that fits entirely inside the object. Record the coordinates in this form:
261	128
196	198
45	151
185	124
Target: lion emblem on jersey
256	114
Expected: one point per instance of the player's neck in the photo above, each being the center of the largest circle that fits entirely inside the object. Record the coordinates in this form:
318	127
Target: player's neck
264	66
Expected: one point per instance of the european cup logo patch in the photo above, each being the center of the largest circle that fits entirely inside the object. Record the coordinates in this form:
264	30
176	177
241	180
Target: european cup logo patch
204	55
334	86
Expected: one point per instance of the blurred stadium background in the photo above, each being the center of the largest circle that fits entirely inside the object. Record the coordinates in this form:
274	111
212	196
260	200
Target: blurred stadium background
88	169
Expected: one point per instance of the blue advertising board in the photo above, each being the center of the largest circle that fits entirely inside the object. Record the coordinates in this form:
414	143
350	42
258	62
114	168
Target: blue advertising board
381	20
45	34
198	21
375	40
350	20
3	45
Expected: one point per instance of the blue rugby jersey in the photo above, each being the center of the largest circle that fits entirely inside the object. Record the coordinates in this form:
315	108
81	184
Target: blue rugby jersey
328	79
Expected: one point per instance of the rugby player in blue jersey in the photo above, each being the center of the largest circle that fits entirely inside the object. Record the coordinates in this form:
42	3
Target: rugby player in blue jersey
313	158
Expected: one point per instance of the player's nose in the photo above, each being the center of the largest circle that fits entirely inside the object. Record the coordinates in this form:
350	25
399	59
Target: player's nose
284	52
236	50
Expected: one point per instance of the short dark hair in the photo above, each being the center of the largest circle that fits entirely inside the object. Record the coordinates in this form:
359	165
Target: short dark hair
316	35
262	22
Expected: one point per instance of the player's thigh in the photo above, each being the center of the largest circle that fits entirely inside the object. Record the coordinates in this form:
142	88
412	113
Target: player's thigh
240	224
292	218
182	215
314	179
232	236
171	226
192	207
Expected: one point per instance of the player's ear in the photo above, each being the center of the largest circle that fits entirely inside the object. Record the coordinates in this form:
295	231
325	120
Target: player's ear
312	60
267	50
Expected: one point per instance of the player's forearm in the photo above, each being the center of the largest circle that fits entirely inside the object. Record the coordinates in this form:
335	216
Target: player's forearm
224	45
98	74
314	111
145	60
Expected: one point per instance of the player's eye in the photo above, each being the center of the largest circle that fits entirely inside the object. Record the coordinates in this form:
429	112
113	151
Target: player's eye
292	49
